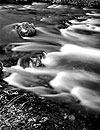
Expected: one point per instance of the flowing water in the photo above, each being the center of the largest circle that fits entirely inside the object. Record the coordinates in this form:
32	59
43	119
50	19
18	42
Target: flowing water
62	61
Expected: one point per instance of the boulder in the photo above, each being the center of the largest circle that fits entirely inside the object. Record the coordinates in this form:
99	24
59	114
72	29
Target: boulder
32	60
25	29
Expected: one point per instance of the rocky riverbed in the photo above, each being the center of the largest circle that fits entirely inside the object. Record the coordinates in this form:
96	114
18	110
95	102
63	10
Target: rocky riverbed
40	74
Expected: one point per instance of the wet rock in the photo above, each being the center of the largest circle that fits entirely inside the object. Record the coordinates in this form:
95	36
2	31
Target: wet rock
8	48
1	72
32	60
57	1
1	66
25	29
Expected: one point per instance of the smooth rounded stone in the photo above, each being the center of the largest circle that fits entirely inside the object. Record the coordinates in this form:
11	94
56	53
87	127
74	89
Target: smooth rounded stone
32	60
25	29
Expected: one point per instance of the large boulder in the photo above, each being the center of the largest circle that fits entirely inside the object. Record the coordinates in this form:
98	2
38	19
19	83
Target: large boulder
25	29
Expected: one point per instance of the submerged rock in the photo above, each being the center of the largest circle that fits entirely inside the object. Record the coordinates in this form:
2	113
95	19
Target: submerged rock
25	29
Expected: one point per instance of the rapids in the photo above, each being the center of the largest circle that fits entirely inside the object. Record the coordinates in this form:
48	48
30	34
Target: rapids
66	62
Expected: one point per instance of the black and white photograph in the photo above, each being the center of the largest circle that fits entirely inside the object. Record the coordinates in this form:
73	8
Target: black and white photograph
49	64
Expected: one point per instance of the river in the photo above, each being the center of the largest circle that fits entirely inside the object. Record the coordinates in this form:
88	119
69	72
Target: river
61	62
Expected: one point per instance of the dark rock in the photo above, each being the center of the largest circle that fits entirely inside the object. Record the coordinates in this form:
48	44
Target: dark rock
2	51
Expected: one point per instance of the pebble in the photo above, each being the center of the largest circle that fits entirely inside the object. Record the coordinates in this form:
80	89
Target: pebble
71	117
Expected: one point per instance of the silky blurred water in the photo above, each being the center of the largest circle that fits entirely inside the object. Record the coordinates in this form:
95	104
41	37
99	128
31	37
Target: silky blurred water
62	61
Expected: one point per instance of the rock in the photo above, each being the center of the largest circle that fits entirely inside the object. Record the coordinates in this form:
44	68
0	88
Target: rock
1	66
32	60
25	29
8	48
57	1
1	72
2	51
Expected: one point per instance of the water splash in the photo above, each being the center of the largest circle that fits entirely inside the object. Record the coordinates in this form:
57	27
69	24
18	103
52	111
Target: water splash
71	64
